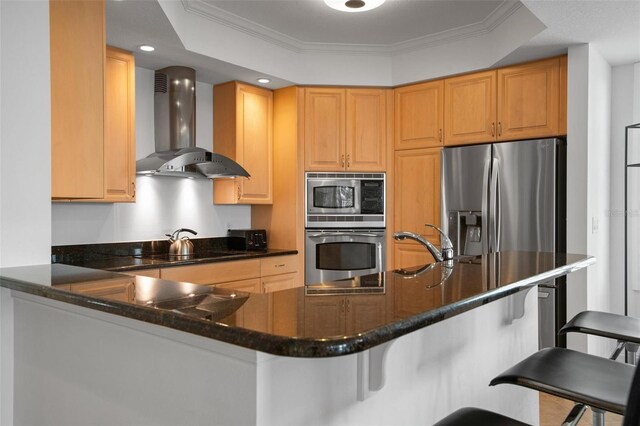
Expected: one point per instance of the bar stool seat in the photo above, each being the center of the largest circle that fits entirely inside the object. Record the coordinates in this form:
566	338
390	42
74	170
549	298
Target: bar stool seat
594	381
605	324
475	416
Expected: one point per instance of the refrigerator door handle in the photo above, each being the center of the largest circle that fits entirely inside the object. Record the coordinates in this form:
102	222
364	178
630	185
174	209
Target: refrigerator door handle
493	211
498	210
485	206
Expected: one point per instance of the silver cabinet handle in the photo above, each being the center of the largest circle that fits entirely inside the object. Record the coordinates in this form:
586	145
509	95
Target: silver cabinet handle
343	234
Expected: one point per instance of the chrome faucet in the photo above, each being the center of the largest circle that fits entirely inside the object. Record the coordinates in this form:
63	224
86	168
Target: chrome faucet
445	256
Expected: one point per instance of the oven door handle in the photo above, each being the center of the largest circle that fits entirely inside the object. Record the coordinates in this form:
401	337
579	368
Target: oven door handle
343	234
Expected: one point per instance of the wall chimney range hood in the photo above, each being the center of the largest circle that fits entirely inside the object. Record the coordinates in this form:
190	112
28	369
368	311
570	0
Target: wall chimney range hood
175	133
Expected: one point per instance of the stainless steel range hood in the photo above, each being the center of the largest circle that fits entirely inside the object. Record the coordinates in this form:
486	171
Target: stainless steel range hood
175	132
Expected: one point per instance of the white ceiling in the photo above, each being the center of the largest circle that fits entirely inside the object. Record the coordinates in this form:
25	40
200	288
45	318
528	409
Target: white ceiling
308	27
396	21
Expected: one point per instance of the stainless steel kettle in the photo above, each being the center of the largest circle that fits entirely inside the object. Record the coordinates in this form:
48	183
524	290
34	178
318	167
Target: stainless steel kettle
181	246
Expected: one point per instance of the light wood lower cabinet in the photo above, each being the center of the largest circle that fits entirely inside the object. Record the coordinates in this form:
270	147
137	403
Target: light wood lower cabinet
278	282
119	289
340	315
262	275
250	286
153	273
214	273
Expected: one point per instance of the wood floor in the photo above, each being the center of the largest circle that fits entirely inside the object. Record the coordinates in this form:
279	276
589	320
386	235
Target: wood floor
554	410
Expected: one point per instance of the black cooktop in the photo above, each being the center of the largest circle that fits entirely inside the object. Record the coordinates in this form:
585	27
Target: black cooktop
195	256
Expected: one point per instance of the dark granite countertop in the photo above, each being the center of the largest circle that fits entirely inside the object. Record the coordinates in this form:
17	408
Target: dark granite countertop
313	321
131	256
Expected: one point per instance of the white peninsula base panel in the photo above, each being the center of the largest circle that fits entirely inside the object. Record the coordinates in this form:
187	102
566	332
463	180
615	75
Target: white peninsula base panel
79	366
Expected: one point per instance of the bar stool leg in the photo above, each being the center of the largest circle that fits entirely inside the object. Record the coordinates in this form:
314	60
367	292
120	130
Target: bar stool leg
598	417
618	349
632	351
575	415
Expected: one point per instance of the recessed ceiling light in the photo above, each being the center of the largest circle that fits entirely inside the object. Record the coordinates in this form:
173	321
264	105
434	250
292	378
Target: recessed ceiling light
353	5
264	80
146	48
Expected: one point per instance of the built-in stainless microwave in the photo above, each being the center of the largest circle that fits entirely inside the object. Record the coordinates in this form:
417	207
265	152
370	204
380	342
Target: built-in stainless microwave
345	200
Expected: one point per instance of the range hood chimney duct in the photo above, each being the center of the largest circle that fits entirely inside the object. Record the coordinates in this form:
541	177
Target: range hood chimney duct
175	132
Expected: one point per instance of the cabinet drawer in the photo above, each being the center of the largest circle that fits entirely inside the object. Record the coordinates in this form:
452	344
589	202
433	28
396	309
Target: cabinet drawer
120	289
278	265
214	273
251	286
153	273
278	282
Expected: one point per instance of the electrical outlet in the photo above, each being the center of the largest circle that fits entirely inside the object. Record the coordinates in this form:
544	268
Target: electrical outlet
594	225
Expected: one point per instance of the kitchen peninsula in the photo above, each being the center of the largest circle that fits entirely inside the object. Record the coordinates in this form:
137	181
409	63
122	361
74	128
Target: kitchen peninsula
401	347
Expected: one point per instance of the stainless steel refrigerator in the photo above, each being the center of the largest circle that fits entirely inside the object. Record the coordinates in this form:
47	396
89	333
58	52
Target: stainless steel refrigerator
510	196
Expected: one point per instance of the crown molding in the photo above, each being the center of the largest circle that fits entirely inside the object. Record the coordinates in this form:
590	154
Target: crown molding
251	28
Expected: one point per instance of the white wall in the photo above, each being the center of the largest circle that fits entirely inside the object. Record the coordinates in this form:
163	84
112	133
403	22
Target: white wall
25	134
599	184
589	186
577	146
163	204
625	110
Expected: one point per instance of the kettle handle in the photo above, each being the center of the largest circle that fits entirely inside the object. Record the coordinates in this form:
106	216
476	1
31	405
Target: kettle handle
191	231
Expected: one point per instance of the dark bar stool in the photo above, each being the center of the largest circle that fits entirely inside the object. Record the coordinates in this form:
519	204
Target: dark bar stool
600	383
626	330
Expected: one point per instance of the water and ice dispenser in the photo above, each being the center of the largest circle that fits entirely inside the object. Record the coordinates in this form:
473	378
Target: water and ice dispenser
466	231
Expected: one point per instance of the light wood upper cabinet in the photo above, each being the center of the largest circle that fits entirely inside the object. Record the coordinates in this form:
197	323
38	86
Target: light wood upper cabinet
519	102
409	254
243	131
417	191
324	129
528	100
366	130
470	108
77	55
345	130
419	115
119	129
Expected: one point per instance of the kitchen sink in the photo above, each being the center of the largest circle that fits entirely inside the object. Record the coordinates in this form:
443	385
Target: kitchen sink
209	306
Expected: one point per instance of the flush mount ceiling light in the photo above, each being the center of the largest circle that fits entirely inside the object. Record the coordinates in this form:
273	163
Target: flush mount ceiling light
264	80
146	48
353	5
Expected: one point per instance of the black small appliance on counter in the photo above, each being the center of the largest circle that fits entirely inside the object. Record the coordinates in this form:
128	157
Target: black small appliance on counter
247	239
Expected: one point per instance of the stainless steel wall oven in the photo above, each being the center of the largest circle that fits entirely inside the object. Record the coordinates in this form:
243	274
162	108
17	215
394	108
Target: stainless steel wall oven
345	225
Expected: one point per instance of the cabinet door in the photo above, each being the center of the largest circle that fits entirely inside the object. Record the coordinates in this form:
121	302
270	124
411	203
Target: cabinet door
119	127
77	41
324	316
419	115
278	282
528	100
410	254
324	129
250	286
417	191
364	312
254	149
470	108
366	130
